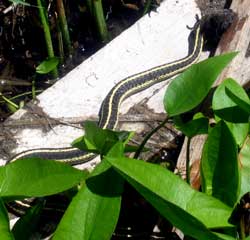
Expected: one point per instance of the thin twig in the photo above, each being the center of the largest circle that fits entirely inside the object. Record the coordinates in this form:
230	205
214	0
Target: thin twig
148	136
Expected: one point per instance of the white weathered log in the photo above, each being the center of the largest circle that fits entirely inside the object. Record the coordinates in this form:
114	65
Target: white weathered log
153	40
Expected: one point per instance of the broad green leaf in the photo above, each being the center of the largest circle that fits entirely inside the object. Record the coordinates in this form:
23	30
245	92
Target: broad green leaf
27	224
198	125
189	89
94	211
224	107
37	177
20	2
243	104
239	131
100	140
47	65
225	237
169	188
244	157
4	223
219	165
180	218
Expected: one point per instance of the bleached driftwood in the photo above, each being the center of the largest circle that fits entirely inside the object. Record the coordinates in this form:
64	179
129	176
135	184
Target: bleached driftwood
153	40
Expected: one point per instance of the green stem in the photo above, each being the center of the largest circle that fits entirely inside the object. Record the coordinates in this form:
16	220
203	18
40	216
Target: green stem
96	10
9	101
47	35
60	43
33	89
147	137
242	229
188	160
147	6
24	94
64	26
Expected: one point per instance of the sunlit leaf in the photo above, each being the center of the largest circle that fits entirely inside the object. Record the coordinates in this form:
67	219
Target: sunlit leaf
100	140
47	65
38	177
243	104
93	212
219	165
225	108
188	89
191	211
198	125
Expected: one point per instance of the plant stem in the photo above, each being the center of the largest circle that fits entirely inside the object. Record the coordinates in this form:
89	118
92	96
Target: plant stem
96	10
146	7
33	88
47	35
15	106
188	160
64	26
60	43
242	229
24	94
148	136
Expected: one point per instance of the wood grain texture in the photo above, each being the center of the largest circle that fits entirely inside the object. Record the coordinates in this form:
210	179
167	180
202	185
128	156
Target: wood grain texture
151	41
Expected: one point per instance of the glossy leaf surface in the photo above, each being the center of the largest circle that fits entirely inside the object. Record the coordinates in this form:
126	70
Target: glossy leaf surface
47	65
225	108
191	211
37	177
188	89
219	165
93	212
198	125
100	140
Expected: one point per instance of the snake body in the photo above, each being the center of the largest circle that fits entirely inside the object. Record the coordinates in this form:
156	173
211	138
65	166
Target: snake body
108	115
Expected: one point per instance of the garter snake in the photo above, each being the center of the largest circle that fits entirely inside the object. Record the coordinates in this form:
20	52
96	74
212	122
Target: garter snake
108	116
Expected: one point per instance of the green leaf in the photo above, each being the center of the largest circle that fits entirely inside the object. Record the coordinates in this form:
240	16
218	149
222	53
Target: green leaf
94	211
27	224
47	65
180	218
100	140
241	103
244	157
239	131
219	165
4	223
20	2
189	89
225	237
224	107
198	125
161	186
37	177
